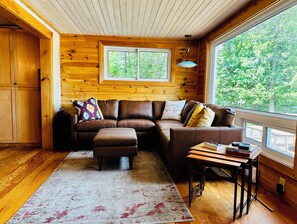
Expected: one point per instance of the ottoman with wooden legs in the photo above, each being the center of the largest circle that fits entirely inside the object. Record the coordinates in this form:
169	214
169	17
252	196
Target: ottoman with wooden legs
115	142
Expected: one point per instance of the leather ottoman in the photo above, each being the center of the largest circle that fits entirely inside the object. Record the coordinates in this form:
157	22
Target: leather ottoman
115	142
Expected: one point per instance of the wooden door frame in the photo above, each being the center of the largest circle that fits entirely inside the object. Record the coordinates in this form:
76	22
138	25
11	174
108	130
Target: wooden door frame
18	15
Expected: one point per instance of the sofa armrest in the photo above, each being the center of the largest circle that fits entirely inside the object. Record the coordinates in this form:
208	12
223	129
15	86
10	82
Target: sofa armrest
181	139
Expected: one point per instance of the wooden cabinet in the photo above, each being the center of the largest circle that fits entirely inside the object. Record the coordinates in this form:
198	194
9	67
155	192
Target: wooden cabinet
19	87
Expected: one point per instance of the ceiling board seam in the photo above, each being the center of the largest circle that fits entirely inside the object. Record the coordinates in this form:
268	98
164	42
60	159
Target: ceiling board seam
164	20
182	16
196	11
55	4
171	14
158	16
147	17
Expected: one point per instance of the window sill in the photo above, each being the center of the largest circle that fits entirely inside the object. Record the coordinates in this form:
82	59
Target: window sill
135	83
290	172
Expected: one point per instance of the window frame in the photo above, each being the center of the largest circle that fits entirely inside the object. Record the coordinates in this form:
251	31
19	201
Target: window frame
280	122
142	45
266	119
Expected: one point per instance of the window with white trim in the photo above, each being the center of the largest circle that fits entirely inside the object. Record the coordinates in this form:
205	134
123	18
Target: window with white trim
253	68
137	64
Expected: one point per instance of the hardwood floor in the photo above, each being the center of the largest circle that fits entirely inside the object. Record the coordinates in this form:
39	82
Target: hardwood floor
23	170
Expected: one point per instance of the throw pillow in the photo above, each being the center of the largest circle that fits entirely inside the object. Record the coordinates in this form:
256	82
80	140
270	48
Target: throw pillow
189	114
88	110
173	109
196	115
206	118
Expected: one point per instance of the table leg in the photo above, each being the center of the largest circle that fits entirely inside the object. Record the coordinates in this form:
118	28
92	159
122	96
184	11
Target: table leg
242	188
202	178
190	181
235	192
257	177
250	166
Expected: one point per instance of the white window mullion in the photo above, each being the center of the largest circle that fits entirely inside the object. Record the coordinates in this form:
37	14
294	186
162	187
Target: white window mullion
138	64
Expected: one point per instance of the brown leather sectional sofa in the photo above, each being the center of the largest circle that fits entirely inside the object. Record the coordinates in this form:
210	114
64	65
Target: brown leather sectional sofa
171	136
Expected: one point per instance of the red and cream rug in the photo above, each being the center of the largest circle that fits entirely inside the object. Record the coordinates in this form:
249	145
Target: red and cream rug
78	193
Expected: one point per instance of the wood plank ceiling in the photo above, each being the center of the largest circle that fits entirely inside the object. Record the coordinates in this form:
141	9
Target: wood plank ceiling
137	18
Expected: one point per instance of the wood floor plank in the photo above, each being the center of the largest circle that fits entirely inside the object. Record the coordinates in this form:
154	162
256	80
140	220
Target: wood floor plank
21	192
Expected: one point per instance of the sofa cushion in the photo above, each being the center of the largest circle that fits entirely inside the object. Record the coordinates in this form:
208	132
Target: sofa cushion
115	137
109	108
137	124
135	109
224	115
158	107
173	109
164	126
190	104
95	125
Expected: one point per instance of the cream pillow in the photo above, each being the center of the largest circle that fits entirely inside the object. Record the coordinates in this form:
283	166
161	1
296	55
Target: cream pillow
201	117
173	110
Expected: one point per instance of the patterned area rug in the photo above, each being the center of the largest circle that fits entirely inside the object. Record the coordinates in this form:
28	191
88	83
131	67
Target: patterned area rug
78	193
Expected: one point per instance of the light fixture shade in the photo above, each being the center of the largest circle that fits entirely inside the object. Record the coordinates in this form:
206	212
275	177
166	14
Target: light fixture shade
187	64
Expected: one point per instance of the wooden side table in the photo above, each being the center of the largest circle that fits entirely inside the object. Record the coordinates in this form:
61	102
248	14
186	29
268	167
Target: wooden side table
220	159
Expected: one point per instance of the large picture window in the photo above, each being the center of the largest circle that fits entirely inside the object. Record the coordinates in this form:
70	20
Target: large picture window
257	69
140	64
254	70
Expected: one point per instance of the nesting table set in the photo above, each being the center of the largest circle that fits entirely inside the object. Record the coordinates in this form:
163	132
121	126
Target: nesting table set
200	157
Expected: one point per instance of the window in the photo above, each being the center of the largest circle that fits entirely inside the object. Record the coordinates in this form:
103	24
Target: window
254	132
281	141
254	70
141	64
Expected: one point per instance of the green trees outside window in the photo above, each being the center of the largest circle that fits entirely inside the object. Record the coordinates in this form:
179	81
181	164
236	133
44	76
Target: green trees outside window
138	64
257	69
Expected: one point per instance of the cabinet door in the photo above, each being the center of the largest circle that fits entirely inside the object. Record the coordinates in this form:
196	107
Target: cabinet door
26	59
7	132
5	74
28	113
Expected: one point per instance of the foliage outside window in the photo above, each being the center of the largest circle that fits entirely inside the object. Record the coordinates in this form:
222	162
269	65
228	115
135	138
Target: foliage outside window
142	64
257	69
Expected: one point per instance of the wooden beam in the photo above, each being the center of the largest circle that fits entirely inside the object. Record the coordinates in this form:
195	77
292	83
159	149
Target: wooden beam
16	14
47	94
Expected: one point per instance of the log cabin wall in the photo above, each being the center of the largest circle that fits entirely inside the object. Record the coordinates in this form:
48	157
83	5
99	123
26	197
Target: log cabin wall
80	77
270	171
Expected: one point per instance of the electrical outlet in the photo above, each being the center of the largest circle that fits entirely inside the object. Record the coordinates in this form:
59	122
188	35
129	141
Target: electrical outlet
282	182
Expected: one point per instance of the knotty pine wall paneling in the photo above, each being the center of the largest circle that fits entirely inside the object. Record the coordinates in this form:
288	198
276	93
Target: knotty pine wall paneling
270	171
80	67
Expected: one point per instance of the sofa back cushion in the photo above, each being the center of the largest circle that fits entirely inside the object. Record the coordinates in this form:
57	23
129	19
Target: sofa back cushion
158	107
224	116
135	109
190	104
109	108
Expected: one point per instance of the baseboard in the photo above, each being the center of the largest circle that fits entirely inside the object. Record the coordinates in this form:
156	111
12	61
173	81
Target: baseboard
279	197
34	145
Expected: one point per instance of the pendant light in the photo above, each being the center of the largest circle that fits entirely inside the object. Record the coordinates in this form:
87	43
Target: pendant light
187	63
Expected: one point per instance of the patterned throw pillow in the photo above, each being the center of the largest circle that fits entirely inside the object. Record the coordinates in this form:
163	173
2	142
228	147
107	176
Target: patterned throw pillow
173	110
88	110
202	117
